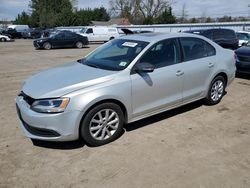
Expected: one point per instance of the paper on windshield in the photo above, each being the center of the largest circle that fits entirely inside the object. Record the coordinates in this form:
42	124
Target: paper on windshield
130	44
123	64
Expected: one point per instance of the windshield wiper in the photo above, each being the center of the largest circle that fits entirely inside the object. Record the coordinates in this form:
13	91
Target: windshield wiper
92	65
88	64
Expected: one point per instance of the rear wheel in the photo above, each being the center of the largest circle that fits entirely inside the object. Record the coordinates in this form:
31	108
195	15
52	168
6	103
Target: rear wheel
79	44
216	91
102	124
47	46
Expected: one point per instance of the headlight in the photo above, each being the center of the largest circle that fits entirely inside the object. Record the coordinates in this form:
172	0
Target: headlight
40	40
50	105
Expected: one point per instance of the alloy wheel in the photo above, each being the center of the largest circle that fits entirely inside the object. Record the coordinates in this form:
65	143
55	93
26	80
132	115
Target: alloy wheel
104	124
217	90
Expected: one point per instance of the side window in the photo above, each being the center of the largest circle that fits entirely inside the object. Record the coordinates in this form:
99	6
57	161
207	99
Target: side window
229	34
242	36
162	54
210	49
194	48
90	30
60	36
208	34
69	35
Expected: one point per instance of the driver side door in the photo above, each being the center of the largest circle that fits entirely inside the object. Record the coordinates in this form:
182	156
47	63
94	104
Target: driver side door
161	89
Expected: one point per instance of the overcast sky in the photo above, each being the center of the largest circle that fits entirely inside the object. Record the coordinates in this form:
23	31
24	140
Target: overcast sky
194	8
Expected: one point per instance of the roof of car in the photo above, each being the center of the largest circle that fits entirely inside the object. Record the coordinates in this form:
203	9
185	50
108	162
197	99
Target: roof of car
247	32
153	37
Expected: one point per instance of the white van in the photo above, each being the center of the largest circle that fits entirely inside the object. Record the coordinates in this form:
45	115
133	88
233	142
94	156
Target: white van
18	28
99	33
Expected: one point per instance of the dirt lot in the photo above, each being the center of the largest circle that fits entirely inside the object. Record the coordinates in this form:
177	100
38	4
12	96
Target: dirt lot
193	146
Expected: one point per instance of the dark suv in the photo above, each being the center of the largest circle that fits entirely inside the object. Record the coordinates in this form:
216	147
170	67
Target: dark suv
224	37
13	33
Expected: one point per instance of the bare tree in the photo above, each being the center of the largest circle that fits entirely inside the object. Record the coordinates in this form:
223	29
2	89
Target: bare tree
152	8
135	9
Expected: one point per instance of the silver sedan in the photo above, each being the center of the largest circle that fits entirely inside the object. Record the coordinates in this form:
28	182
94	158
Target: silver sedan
122	81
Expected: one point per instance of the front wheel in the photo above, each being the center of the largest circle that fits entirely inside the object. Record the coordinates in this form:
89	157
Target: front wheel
47	46
216	91
3	39
79	44
102	124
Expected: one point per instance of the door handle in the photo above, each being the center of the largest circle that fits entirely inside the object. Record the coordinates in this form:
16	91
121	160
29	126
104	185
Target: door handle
179	73
210	65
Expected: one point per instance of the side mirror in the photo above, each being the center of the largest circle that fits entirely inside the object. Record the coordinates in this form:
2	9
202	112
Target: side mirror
144	67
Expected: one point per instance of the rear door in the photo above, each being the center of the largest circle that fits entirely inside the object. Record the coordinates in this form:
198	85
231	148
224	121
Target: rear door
70	39
198	66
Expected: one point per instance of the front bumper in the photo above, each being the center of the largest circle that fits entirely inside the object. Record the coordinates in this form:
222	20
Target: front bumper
37	44
51	127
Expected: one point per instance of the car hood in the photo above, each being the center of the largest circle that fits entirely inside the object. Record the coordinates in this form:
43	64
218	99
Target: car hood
64	79
244	51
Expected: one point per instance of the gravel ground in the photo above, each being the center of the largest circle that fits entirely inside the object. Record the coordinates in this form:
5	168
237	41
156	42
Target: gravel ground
192	146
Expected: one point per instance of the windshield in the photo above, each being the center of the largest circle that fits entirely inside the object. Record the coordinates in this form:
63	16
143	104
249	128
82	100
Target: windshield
83	30
115	55
248	44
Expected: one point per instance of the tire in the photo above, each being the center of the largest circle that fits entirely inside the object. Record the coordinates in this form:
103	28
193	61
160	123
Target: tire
47	46
111	38
96	131
3	39
79	44
216	91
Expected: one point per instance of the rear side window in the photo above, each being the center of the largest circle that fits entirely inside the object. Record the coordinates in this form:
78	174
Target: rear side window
224	34
195	48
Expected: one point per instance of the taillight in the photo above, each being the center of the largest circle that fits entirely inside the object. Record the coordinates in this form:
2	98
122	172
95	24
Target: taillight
236	57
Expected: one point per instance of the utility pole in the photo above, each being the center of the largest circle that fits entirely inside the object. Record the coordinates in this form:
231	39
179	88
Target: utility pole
248	11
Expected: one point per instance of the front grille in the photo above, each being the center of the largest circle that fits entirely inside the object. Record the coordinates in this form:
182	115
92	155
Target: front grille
27	98
37	131
244	58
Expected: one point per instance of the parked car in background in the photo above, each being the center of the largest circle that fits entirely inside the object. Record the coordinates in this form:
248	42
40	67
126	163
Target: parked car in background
129	32
4	38
224	37
2	32
32	33
243	59
18	27
99	33
13	33
243	37
62	39
126	79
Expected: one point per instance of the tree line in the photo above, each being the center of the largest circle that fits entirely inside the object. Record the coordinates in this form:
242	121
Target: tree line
52	13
